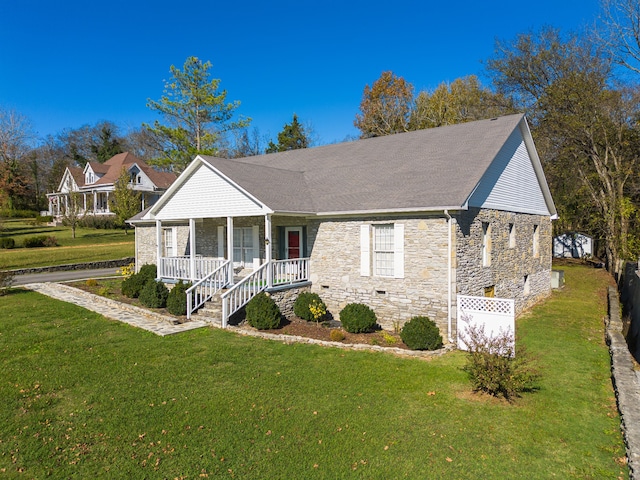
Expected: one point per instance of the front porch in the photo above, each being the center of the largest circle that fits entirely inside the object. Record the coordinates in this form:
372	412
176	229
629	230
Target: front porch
248	260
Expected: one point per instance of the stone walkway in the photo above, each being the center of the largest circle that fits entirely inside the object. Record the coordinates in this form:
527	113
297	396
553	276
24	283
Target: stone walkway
122	312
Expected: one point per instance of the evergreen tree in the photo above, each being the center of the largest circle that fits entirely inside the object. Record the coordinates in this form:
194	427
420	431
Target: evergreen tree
292	137
125	202
196	114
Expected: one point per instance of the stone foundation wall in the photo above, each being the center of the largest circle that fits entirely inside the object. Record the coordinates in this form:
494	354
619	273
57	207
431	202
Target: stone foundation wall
286	298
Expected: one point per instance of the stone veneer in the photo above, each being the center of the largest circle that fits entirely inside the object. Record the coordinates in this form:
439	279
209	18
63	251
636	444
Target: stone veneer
508	265
334	246
336	277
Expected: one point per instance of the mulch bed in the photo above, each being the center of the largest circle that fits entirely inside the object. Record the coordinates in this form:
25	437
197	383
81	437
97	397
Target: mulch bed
294	326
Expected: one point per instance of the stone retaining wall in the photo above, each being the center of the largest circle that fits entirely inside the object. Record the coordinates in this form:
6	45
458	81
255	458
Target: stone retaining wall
625	383
76	266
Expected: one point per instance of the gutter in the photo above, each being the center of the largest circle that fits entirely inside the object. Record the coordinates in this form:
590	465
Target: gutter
449	292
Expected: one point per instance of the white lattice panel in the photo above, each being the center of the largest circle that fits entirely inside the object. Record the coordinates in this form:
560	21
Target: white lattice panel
496	314
486	304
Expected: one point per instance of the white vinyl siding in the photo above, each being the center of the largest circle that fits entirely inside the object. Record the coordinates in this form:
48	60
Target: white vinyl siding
382	247
194	198
510	183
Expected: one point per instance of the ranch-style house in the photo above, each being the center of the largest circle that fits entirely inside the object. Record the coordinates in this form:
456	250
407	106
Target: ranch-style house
403	223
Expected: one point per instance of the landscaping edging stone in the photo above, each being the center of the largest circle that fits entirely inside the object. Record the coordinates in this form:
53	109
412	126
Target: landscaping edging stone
345	346
625	383
76	266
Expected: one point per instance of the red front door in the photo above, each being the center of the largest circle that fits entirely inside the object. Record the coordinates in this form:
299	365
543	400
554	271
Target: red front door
293	243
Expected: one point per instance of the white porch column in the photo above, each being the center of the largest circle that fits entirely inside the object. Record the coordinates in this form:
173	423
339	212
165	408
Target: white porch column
230	247
267	249
192	248
159	248
108	207
95	202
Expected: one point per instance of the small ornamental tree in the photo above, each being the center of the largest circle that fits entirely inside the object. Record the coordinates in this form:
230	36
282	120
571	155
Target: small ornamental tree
125	202
493	366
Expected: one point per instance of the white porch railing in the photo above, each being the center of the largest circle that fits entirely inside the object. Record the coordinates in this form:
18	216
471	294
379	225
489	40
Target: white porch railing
239	295
206	288
290	271
179	268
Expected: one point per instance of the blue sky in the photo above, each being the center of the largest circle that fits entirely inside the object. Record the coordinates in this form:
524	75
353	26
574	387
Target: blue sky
64	64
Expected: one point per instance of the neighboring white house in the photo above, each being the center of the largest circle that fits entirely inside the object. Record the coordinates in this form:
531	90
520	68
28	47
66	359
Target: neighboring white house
572	245
403	223
95	182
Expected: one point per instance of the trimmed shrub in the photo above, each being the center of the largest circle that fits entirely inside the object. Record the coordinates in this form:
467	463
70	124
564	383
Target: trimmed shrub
132	286
50	241
358	318
34	242
304	301
40	219
7	242
154	294
177	299
263	313
98	222
92	282
336	335
421	333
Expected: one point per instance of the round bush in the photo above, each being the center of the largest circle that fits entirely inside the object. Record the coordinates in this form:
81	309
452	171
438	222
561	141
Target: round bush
263	313
154	294
177	299
301	305
336	335
7	242
421	333
132	286
358	318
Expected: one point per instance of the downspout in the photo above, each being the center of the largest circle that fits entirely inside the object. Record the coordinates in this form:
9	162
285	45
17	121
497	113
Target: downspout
449	240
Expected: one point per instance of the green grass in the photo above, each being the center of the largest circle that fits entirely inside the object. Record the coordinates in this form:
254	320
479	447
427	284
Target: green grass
86	397
89	245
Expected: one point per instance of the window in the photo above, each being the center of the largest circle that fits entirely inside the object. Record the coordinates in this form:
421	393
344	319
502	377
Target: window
512	235
486	244
169	242
382	250
536	241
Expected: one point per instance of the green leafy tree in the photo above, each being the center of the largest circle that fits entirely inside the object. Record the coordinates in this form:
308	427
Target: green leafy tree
585	130
292	137
125	202
385	107
196	114
463	100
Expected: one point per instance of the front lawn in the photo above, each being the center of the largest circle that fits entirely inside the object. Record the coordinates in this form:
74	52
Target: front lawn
89	245
86	397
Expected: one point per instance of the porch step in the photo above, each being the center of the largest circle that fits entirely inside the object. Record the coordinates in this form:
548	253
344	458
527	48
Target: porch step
211	311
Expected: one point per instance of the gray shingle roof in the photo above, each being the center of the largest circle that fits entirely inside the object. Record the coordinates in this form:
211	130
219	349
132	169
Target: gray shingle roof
425	169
